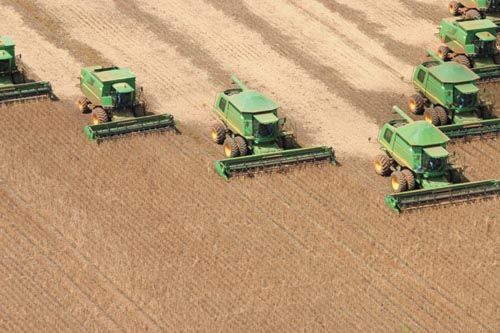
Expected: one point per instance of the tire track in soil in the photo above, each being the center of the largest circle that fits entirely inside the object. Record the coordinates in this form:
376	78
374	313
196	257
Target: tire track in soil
374	105
375	30
54	31
169	35
244	51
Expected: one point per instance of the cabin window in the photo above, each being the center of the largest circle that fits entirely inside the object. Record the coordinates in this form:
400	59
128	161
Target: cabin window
388	135
222	104
4	65
421	76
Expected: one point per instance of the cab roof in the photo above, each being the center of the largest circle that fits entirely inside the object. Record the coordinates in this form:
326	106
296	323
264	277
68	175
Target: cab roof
452	72
251	101
477	25
422	134
111	74
6	41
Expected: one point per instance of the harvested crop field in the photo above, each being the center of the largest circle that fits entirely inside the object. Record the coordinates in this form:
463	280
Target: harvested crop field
140	234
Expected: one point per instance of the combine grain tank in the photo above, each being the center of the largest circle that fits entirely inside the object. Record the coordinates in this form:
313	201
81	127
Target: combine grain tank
448	96
415	157
116	104
14	85
253	136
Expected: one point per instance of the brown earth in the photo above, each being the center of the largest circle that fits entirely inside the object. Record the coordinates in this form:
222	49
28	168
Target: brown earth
141	235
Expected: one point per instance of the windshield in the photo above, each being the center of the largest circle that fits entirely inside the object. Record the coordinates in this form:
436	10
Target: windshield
465	100
123	100
433	164
4	65
486	48
264	130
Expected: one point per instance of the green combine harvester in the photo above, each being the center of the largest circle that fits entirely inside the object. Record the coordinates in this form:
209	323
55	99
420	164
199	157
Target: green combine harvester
415	156
448	97
14	85
473	44
253	136
475	9
117	105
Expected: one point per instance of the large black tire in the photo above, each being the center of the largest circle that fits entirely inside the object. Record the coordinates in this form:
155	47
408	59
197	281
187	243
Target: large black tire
463	60
19	77
416	104
218	133
431	116
398	182
82	104
454	8
485	112
139	110
99	116
231	148
496	58
410	179
382	165
442	115
473	14
443	52
242	145
288	143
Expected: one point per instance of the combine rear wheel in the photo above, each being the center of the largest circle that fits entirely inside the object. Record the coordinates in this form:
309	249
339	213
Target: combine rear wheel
454	8
218	133
410	179
382	164
431	116
463	60
242	145
416	104
473	14
398	182
231	148
83	105
99	116
442	115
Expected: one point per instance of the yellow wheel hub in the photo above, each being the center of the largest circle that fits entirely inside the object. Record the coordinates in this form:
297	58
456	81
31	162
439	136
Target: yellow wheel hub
214	134
378	166
413	105
95	119
395	183
428	118
227	150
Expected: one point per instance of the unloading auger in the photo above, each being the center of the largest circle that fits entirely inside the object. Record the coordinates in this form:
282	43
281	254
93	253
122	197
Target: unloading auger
415	157
253	135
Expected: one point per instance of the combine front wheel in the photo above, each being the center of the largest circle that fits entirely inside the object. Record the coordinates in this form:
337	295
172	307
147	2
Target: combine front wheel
431	116
242	145
139	110
443	52
99	116
442	115
410	179
231	148
496	58
463	60
398	182
473	14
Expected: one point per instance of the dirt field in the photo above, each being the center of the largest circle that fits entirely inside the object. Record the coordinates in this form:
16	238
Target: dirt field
141	234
